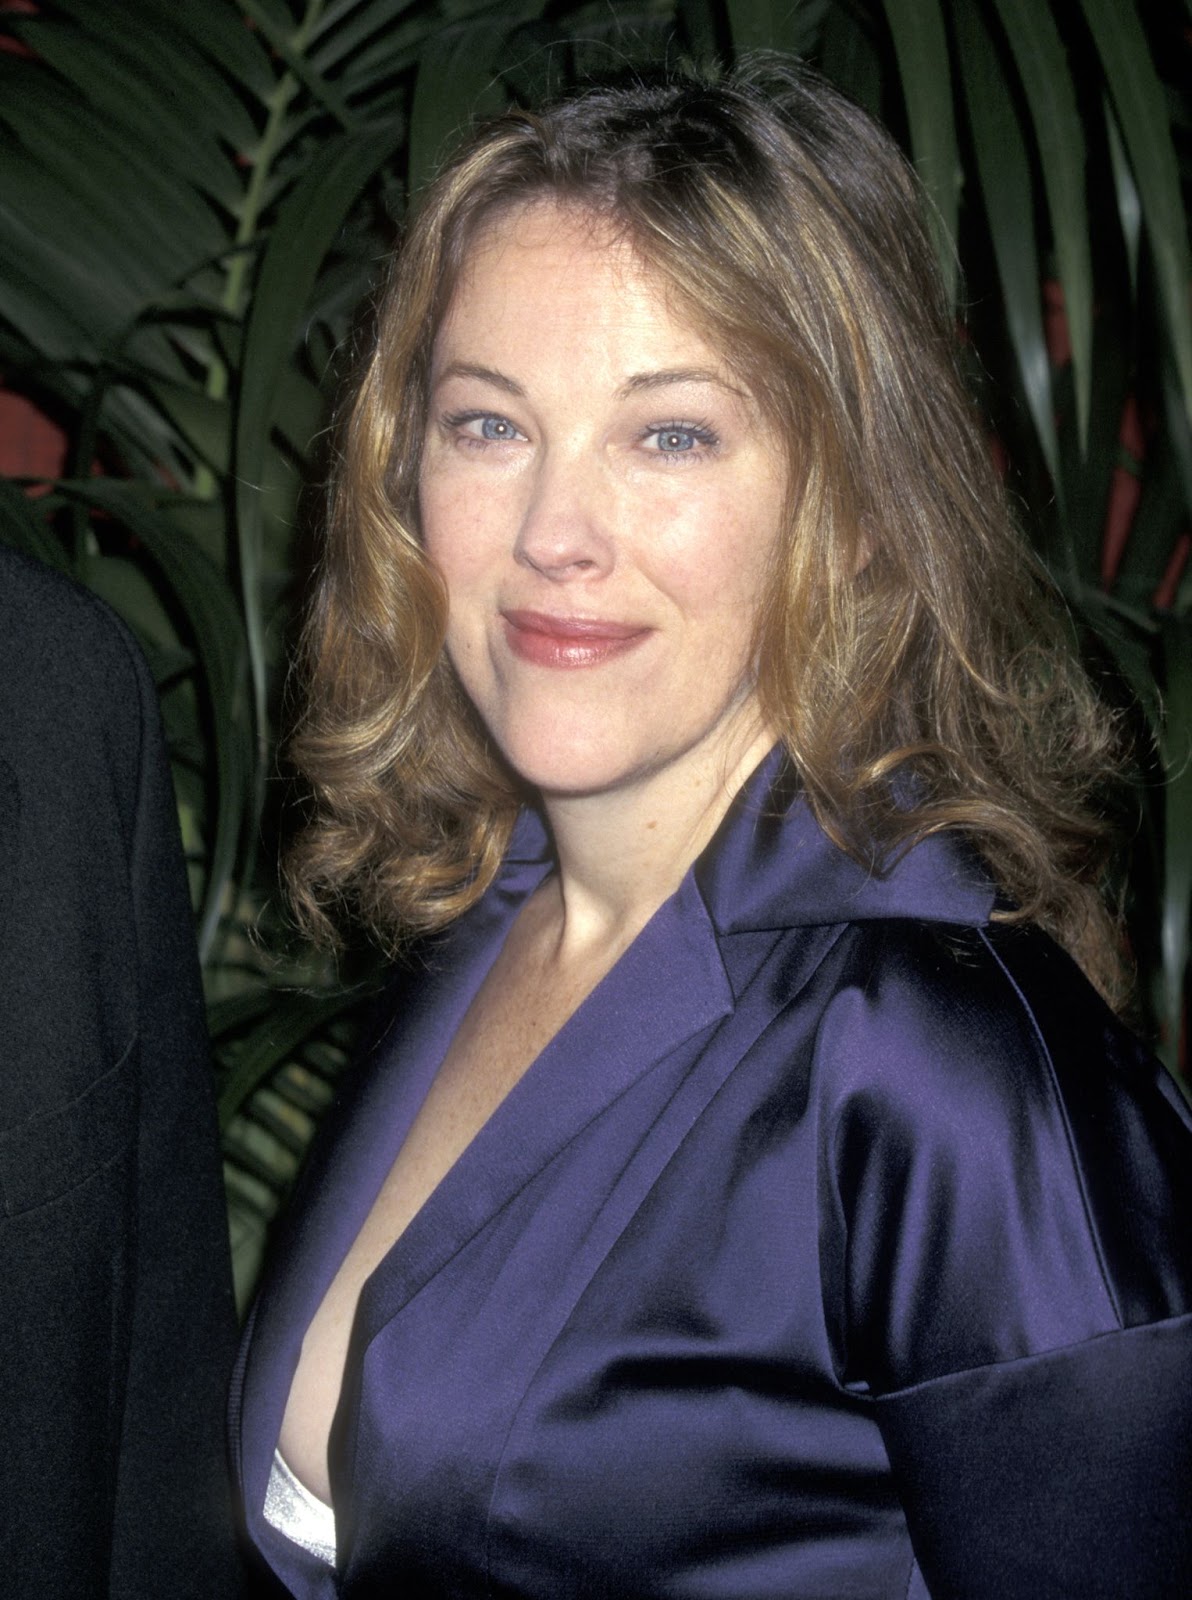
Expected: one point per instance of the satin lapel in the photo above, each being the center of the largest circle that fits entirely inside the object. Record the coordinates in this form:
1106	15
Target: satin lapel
350	1161
668	987
711	1062
689	1021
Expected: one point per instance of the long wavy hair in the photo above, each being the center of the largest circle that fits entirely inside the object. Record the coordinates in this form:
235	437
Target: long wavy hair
907	628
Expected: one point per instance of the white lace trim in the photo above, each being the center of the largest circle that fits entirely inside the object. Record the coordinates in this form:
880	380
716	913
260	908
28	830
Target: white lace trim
301	1516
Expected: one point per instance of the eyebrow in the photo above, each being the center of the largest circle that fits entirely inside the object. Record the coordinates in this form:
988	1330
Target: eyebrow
672	375
639	383
468	369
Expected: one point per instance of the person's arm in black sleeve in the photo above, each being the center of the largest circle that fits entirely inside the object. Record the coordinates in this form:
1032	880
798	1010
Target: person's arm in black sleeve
174	1524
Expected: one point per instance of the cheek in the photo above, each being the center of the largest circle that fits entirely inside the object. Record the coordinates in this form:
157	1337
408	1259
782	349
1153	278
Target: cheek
722	574
453	534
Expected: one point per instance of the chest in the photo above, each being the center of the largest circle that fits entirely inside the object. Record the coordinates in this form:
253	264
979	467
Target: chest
512	1017
608	1317
627	1365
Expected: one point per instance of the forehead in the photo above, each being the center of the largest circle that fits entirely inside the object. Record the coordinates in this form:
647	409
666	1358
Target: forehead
543	270
551	226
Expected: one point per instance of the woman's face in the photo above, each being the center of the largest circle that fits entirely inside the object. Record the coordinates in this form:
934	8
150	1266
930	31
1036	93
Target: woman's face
602	499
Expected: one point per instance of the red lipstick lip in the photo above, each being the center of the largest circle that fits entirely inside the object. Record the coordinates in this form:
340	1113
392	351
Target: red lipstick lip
570	627
554	641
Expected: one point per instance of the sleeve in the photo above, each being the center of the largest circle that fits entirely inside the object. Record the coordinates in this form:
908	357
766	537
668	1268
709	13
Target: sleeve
174	1522
1054	1476
1012	1185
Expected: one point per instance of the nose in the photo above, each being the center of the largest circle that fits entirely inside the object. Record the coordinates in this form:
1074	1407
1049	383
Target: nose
566	526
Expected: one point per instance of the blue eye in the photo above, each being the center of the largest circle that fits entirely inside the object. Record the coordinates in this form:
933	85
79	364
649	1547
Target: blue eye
496	428
682	438
481	427
673	439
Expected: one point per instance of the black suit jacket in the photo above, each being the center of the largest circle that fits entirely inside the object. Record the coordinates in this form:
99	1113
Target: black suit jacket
116	1317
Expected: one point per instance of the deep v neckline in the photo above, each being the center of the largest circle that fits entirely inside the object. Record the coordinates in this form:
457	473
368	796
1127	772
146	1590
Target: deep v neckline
624	1025
506	1028
559	1174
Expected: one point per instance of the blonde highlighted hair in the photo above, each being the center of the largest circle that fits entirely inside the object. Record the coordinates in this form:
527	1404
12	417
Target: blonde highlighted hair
907	628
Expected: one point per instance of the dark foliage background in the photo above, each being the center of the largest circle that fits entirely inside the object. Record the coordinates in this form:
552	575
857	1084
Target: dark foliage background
195	202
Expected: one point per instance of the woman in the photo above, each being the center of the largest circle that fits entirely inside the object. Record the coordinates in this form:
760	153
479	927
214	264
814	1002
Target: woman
746	1194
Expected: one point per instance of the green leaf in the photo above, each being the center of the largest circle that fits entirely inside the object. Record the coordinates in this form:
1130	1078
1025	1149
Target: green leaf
220	31
1183	600
49	241
921	47
306	226
291	1021
849	57
23	529
145	440
344	24
56	325
365	42
142	33
774	25
378	75
1179	430
281	12
1158	523
231	1014
752	24
1129	640
121	93
1088	474
1129	205
456	68
290	45
1177	857
1050	92
301	411
204	423
1005	175
211	614
164	223
1141	105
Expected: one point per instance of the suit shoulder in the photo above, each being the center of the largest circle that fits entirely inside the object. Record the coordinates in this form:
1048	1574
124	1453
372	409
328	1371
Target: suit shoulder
959	1014
68	660
38	604
994	1130
929	1011
962	1033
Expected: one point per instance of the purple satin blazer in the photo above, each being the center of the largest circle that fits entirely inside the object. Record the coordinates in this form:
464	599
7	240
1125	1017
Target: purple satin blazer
836	1247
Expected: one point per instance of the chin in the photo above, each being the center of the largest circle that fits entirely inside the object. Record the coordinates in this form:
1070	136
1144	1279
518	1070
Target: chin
572	780
566	767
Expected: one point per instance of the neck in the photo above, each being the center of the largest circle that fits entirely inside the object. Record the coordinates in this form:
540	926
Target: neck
622	853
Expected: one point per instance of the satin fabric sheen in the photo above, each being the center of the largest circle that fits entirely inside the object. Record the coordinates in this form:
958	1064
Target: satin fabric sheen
836	1247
